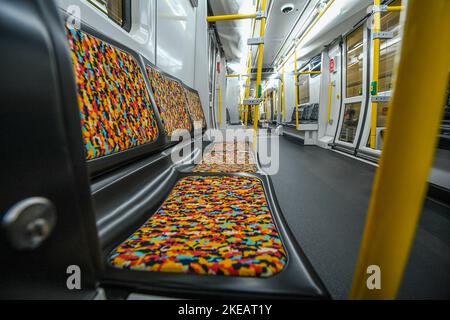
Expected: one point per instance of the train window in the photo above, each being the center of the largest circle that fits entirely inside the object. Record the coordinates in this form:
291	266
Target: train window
117	10
382	116
316	65
355	47
350	122
303	92
390	22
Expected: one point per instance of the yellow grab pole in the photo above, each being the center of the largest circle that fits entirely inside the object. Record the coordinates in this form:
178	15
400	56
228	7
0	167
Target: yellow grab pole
247	89
401	181
296	90
330	101
310	72
316	20
231	17
283	97
395	8
220	107
260	65
375	76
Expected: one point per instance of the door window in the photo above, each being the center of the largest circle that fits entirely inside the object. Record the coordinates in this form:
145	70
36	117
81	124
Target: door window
350	122
303	92
355	63
390	22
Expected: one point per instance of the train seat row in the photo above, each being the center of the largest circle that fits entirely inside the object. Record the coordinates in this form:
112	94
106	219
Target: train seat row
194	228
306	114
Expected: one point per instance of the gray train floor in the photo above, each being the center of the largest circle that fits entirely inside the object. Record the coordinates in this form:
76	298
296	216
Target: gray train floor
324	197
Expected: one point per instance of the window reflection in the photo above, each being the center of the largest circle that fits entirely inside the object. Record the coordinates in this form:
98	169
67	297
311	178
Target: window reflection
113	8
303	92
350	122
390	22
382	116
355	46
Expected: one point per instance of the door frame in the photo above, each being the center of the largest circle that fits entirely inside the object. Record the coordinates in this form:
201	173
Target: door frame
363	99
362	150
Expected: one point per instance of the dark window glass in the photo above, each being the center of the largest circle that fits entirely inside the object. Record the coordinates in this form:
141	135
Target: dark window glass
114	9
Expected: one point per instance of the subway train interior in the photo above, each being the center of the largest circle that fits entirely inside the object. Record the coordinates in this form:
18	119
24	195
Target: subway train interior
225	149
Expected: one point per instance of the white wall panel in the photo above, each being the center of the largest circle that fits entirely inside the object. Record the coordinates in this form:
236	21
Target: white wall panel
176	26
141	38
201	56
233	98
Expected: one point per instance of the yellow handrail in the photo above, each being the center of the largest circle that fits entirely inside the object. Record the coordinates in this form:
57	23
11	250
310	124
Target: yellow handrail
260	65
395	8
247	89
401	181
283	97
310	72
220	107
316	20
375	76
231	17
296	90
330	101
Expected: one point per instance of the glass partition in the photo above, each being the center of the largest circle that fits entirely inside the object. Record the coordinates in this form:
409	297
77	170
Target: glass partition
303	92
390	22
113	8
355	63
350	122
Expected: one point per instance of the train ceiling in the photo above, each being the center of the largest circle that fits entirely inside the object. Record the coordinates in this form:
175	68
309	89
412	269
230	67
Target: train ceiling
282	28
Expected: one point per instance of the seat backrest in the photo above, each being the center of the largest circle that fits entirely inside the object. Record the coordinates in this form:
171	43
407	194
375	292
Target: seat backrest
195	107
115	106
315	112
307	110
171	101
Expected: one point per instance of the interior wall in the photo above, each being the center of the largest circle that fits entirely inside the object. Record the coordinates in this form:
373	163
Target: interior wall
171	34
289	87
233	98
201	72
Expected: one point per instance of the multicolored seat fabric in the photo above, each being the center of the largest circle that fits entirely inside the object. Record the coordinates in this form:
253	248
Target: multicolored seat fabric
115	106
228	157
227	162
208	226
232	146
195	108
170	100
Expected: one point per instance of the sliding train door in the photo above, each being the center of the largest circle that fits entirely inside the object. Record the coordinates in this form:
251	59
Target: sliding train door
390	23
355	89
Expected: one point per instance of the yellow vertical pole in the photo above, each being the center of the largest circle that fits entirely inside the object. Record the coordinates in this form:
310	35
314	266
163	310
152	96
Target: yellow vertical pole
330	100
260	64
401	181
247	89
283	97
375	76
296	89
220	107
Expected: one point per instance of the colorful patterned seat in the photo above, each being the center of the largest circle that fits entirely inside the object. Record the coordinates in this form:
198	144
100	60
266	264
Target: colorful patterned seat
195	108
208	226
228	157
227	162
170	100
115	108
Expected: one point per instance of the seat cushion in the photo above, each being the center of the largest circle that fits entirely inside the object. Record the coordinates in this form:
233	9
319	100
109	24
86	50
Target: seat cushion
232	146
115	108
208	226
227	162
170	100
